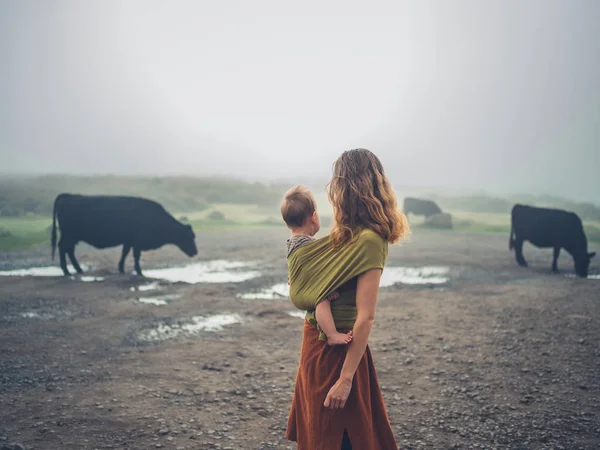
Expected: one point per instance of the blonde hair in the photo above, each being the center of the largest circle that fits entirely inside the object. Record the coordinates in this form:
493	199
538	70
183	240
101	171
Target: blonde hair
362	197
298	204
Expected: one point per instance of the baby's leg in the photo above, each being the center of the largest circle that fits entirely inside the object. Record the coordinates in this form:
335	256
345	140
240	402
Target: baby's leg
325	320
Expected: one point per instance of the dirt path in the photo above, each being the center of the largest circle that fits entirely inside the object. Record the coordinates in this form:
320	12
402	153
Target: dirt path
498	357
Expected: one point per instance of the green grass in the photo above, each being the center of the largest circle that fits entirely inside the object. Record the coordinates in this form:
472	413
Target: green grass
18	233
239	213
473	222
592	231
481	222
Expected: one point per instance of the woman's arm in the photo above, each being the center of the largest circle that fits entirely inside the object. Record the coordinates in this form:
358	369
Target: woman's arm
366	299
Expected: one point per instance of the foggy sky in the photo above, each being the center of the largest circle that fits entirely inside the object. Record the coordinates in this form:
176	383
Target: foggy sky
496	95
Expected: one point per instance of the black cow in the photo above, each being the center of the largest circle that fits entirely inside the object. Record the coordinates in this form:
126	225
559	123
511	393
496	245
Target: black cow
555	228
109	221
420	207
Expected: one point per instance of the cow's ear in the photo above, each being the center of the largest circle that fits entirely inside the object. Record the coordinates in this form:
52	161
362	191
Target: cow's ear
591	255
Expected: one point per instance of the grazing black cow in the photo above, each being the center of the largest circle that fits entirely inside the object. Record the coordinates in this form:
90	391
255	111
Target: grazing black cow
420	207
555	228
109	221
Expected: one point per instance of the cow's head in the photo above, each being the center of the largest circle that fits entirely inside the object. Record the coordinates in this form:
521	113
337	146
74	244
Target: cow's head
582	264
186	241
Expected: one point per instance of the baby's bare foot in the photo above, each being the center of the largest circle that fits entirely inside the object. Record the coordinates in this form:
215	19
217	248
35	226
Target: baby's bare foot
339	339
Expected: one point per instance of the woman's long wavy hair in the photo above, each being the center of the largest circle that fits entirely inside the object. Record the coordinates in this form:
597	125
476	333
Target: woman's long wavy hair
362	197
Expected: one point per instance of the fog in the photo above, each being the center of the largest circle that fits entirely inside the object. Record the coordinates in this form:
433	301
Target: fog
502	96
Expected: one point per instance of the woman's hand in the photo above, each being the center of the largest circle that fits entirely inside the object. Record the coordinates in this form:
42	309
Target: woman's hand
338	394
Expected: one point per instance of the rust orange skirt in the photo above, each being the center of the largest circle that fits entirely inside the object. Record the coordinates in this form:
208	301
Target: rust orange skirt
364	417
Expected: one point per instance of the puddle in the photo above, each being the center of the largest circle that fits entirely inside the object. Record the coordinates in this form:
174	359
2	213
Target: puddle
414	275
589	277
163	331
48	271
578	316
217	271
158	301
36	315
145	287
87	279
299	314
281	290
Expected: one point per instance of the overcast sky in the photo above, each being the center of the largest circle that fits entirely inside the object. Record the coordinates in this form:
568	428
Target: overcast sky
498	95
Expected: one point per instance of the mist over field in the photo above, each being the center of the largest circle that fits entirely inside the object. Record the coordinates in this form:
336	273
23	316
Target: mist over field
463	96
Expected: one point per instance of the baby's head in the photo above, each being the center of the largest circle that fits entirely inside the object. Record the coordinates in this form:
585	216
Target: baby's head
299	210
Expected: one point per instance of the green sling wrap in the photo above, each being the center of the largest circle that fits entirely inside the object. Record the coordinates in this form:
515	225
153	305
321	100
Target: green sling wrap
317	269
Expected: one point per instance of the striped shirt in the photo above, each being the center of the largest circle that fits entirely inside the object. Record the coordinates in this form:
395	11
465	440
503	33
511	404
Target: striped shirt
297	241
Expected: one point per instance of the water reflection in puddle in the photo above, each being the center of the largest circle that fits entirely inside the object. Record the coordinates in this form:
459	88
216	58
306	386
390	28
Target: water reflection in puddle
87	279
158	301
280	290
163	331
217	271
414	275
36	315
145	287
48	271
589	277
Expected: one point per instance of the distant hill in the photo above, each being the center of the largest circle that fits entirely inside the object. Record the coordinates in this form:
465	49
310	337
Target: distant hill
22	195
35	195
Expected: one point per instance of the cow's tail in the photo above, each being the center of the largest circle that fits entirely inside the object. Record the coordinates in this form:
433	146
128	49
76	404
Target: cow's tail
53	239
511	238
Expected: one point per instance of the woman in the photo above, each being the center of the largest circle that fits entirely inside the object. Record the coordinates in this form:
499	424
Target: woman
337	402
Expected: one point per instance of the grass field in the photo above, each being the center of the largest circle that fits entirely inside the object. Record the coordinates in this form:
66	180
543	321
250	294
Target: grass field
495	223
18	233
219	203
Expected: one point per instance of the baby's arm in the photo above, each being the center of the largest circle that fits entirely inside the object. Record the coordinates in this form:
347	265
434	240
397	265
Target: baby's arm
325	320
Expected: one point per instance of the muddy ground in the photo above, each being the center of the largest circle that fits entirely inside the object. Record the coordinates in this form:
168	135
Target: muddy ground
499	357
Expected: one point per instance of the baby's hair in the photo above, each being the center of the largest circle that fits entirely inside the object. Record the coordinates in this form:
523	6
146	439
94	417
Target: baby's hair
298	204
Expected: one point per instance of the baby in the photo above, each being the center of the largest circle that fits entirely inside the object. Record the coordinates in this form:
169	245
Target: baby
299	211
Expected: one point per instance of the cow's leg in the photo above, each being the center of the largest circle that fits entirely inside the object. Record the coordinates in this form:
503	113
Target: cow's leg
71	253
136	258
555	258
62	252
519	252
126	248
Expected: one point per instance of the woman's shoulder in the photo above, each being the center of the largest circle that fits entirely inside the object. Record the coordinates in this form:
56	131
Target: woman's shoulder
368	236
362	238
370	241
372	247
